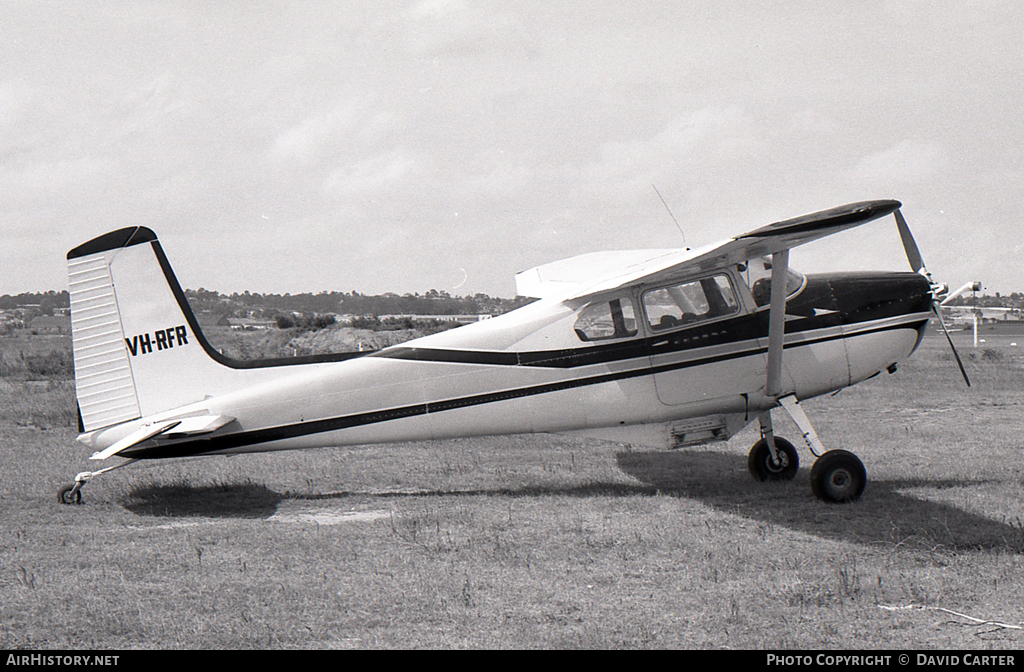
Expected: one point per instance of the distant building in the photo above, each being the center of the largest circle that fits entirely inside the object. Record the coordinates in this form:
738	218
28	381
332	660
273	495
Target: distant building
250	323
460	319
964	315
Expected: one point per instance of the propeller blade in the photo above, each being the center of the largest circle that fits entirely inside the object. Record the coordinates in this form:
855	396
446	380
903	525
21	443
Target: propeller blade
917	263
952	347
913	254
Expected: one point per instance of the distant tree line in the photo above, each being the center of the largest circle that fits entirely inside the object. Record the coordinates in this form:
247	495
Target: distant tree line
43	302
309	311
270	306
433	302
1014	300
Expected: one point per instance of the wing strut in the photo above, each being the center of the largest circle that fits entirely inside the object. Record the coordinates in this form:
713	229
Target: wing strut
776	335
776	345
777	323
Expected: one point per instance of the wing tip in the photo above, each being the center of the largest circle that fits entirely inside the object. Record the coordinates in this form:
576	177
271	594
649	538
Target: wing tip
851	214
126	237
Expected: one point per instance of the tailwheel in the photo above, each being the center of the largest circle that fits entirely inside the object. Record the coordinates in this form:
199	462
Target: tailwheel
838	476
70	494
763	468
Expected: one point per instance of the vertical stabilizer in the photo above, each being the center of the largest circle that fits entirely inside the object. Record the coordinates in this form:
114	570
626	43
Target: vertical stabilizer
136	342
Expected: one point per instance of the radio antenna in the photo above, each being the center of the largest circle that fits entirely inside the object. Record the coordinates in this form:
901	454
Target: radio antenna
671	215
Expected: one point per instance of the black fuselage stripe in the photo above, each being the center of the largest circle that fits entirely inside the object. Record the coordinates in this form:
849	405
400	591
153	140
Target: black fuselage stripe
570	359
254	437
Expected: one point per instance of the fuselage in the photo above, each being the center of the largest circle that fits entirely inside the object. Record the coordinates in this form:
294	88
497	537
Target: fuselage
639	356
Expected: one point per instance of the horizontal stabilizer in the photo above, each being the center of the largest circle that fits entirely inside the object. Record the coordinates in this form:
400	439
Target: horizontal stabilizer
179	428
147	432
197	425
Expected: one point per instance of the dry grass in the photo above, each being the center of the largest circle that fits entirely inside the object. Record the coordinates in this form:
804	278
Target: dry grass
522	542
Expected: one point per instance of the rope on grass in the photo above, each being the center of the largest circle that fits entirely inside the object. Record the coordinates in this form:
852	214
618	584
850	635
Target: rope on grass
975	621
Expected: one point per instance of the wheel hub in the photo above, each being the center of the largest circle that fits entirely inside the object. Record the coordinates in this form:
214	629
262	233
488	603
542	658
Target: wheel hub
779	464
841	479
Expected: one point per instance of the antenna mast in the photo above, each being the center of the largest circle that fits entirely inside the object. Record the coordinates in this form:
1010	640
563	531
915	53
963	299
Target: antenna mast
671	215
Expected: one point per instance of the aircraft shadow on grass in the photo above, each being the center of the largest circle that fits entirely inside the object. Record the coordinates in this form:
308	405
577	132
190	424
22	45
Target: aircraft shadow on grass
228	500
884	517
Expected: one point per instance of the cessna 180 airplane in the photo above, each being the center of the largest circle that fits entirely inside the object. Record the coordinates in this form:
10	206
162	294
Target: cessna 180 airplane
664	348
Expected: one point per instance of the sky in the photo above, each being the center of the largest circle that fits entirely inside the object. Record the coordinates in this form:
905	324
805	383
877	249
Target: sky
379	146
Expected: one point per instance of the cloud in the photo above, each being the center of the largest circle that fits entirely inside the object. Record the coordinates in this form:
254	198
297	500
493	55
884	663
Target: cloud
309	139
457	28
375	174
435	9
907	162
697	145
12	102
157	105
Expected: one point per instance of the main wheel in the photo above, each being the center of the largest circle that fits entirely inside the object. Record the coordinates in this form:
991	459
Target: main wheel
763	468
838	476
69	494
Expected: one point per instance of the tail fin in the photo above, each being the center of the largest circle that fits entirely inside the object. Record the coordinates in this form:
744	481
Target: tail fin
137	345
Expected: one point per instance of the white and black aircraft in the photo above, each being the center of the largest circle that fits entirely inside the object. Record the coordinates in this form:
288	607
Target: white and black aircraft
651	347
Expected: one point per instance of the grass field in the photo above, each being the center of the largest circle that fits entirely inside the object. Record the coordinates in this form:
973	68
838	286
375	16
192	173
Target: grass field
535	541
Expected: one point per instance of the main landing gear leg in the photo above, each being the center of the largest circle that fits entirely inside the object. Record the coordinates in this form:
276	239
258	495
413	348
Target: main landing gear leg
72	494
772	458
837	476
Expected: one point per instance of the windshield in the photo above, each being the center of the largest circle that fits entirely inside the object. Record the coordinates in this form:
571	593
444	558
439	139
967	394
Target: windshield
758	275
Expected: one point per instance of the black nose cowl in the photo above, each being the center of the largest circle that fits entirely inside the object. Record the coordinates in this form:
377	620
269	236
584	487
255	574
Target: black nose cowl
864	297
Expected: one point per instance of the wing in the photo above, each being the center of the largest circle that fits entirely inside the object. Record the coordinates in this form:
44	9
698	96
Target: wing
570	277
593	273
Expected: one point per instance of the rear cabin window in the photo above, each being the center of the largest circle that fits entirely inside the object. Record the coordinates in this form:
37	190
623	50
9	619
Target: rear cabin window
690	302
603	320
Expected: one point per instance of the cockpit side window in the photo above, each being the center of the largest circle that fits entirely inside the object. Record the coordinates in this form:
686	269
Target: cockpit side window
758	274
689	302
603	320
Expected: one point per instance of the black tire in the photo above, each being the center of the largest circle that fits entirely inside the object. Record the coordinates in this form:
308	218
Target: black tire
70	495
763	468
838	477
